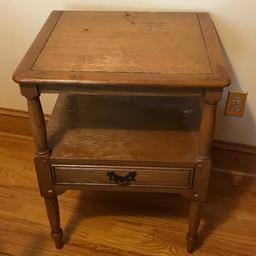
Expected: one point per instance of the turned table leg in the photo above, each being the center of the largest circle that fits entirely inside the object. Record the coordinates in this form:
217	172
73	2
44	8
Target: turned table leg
42	164
52	207
194	221
202	171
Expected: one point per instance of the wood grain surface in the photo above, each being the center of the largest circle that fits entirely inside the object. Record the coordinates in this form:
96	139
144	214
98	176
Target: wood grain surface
154	49
144	131
125	42
226	155
145	177
110	223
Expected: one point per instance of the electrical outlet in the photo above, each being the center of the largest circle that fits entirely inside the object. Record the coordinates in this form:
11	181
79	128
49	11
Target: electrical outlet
236	103
236	100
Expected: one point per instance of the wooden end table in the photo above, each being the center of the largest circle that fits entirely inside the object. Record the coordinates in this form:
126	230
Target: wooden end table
136	109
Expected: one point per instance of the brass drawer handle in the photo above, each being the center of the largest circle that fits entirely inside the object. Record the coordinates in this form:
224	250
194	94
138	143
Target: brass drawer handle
122	180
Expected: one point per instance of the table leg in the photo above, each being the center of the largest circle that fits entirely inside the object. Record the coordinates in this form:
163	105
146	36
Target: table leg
194	221
52	207
43	168
37	122
202	171
207	130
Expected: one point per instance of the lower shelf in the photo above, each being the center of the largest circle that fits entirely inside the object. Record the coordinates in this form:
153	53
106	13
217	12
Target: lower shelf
124	131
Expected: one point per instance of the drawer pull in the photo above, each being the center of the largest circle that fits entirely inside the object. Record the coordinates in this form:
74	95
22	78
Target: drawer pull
122	180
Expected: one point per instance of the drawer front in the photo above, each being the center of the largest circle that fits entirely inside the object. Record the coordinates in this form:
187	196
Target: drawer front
123	176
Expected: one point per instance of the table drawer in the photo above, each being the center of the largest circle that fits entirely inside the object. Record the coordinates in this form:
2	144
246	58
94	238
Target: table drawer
123	176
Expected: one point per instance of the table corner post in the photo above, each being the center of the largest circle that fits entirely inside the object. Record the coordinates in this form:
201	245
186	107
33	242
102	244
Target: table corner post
211	98
42	162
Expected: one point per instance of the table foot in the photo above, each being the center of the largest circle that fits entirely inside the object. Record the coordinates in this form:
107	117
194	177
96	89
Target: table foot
191	243
58	239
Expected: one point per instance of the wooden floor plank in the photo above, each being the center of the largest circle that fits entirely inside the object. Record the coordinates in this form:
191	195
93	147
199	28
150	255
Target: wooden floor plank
123	224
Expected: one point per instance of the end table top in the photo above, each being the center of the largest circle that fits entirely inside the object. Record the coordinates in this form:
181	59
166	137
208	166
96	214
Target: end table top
130	48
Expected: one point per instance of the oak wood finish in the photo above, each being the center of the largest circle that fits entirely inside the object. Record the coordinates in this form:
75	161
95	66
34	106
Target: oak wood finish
126	44
121	224
136	79
52	208
225	154
122	129
113	55
38	125
145	177
43	168
194	221
210	100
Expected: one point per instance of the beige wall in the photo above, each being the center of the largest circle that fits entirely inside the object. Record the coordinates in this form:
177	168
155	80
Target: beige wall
235	21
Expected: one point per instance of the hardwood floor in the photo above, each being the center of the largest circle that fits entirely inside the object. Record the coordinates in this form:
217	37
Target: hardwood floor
109	223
